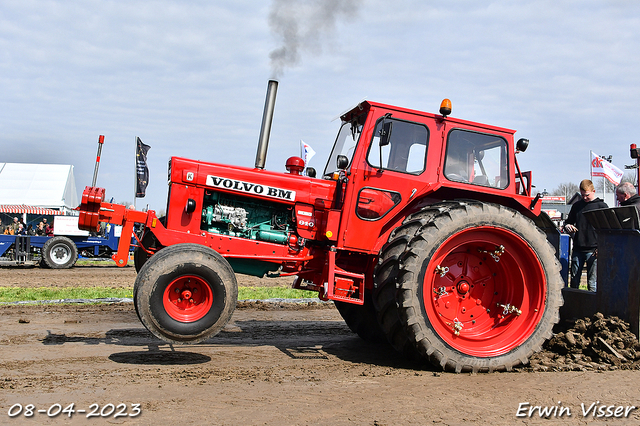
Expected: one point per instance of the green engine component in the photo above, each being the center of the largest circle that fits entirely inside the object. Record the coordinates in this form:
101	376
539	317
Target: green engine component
272	236
245	217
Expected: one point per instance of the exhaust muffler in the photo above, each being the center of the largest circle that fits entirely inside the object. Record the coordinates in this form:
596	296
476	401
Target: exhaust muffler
265	129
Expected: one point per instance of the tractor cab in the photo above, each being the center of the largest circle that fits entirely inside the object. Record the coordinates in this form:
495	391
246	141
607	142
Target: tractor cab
391	161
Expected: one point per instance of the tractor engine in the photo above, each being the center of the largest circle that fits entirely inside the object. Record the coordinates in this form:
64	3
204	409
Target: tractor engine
246	217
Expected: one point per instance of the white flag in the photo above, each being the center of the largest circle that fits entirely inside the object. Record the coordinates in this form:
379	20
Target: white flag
603	168
306	152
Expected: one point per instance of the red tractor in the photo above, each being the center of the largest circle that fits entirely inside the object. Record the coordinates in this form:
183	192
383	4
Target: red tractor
421	229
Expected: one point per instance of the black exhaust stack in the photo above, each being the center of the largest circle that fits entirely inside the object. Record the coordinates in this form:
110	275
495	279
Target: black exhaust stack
267	118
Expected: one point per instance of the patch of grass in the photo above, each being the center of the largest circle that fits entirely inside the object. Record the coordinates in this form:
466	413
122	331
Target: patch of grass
261	293
19	294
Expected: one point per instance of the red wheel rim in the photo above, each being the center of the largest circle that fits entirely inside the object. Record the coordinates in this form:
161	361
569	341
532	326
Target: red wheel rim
187	298
484	291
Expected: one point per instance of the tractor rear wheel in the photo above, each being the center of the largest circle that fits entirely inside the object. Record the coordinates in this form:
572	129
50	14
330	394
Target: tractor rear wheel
59	253
385	278
362	319
140	255
185	293
149	242
479	286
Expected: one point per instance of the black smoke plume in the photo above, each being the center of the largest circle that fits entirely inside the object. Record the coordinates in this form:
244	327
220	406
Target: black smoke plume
303	25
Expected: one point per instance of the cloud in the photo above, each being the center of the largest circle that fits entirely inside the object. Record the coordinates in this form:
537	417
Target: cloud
190	78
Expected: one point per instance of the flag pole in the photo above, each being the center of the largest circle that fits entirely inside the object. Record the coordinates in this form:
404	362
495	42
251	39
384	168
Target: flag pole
135	170
591	165
95	171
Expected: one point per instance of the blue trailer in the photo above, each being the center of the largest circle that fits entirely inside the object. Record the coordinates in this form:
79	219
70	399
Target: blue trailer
59	251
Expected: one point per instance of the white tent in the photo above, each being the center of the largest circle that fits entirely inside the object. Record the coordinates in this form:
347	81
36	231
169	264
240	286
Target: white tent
50	186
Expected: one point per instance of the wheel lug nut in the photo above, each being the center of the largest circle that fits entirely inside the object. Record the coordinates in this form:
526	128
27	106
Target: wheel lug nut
191	300
177	290
179	299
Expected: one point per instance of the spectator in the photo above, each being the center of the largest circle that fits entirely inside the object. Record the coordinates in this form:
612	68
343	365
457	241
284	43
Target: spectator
30	230
48	230
40	229
585	240
20	230
14	226
627	195
1	227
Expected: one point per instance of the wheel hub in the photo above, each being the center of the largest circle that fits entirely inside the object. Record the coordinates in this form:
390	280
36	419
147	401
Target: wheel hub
463	287
188	298
186	294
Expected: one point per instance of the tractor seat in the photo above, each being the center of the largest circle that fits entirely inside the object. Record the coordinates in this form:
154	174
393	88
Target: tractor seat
481	180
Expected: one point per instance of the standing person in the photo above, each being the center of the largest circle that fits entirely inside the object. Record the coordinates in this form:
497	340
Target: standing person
585	239
627	195
1	227
14	226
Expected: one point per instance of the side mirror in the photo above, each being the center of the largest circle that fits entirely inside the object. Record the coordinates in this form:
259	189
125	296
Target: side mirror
385	133
342	162
385	136
311	172
522	144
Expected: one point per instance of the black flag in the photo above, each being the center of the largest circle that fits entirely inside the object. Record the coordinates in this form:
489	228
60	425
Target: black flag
142	171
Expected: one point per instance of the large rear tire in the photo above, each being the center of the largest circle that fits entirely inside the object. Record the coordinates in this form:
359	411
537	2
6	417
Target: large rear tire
149	242
479	286
185	293
386	277
140	255
59	253
362	319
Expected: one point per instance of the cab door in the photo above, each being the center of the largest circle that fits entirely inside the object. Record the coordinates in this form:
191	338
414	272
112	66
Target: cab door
385	174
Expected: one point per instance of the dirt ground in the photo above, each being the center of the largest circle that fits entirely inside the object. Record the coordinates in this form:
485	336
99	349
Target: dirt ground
272	365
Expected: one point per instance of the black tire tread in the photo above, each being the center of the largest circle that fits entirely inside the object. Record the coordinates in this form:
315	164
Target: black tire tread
46	252
428	344
385	278
400	263
362	319
164	262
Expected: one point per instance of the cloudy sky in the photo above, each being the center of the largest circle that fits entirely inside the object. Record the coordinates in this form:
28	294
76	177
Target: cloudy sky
189	78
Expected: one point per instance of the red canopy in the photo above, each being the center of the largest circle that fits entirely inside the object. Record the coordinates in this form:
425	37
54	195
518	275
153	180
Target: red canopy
28	209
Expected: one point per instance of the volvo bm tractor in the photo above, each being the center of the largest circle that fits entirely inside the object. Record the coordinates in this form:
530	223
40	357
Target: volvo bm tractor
421	229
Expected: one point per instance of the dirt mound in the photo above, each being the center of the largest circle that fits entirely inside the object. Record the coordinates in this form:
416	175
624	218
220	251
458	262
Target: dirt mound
596	343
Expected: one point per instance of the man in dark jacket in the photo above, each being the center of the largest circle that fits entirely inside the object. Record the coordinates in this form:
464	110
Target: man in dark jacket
627	195
585	239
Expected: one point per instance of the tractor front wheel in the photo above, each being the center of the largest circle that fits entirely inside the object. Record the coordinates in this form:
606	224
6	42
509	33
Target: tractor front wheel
185	293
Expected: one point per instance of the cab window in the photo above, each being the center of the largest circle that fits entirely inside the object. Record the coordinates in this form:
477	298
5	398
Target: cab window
476	158
406	150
